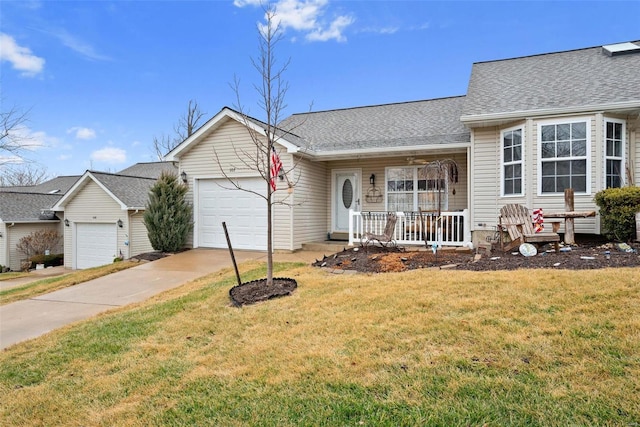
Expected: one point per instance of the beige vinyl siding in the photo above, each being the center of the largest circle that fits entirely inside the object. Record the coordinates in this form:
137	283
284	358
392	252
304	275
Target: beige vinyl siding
139	237
20	230
634	151
284	207
310	200
378	166
93	205
485	181
4	242
232	144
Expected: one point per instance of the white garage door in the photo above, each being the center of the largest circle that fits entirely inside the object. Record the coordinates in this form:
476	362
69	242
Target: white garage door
244	213
96	244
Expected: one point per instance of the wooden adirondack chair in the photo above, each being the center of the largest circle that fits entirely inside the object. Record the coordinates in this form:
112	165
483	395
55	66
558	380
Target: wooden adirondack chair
516	220
386	238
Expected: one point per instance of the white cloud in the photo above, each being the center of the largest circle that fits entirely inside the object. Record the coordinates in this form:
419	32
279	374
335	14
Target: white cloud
20	57
83	133
306	16
77	45
63	157
11	160
109	155
334	31
27	139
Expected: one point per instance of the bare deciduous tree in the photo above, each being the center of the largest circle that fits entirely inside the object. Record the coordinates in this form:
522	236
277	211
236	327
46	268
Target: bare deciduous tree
186	126
23	175
13	142
271	90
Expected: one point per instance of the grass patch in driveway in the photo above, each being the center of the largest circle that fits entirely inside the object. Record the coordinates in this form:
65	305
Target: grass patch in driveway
528	347
12	275
51	284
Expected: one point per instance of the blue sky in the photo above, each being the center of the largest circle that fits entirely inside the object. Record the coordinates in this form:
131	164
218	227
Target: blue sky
100	79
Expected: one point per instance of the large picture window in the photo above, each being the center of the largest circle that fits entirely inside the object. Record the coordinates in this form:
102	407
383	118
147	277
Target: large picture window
614	153
512	162
563	153
408	188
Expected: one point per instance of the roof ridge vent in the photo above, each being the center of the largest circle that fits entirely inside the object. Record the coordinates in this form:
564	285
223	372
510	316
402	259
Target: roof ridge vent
620	49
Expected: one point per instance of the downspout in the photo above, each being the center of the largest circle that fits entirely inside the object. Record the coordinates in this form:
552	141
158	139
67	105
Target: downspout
469	191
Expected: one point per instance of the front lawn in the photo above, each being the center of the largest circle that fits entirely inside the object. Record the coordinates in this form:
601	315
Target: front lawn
543	347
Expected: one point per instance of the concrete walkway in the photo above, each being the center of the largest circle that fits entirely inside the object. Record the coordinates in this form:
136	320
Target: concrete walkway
31	318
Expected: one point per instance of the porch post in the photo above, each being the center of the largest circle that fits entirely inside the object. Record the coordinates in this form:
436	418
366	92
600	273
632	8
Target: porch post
350	227
467	228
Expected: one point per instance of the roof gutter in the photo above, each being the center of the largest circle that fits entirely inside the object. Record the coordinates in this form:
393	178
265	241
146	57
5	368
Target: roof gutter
493	118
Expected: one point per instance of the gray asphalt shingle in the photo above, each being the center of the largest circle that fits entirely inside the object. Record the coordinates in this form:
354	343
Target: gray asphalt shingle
429	122
574	78
150	170
25	206
130	190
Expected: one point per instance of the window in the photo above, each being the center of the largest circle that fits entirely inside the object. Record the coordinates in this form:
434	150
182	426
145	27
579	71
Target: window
614	152
408	188
563	153
512	162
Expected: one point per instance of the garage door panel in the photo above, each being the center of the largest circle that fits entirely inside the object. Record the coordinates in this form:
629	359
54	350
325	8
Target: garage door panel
96	244
244	213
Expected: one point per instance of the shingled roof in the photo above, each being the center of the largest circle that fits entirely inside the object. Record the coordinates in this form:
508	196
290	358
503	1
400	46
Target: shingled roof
58	185
576	79
131	192
26	207
418	123
150	169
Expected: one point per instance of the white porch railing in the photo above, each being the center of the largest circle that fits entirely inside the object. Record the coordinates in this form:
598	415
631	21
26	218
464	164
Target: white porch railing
449	229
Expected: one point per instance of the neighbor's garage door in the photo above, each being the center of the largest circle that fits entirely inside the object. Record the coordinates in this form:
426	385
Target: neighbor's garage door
244	213
96	244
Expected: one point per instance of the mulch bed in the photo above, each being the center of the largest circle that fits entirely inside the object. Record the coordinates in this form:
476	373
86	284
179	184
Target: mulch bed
587	254
257	290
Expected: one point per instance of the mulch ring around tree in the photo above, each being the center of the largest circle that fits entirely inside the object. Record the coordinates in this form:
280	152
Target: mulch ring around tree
587	254
257	290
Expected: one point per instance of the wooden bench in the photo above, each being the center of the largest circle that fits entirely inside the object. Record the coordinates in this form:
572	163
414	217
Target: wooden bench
516	220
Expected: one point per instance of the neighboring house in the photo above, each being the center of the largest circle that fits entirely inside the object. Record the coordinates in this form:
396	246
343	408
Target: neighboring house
103	214
527	129
26	209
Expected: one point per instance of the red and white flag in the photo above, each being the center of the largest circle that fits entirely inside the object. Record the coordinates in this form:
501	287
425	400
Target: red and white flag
276	165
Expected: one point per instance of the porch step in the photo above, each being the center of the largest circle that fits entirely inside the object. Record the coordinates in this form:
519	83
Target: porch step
328	246
339	236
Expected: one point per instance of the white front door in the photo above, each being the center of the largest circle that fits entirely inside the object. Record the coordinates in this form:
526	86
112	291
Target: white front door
346	195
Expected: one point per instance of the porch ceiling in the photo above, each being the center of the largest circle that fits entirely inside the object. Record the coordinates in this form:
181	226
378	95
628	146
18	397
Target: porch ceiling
391	152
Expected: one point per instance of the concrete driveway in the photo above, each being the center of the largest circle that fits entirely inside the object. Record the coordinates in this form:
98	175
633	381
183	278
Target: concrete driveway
31	318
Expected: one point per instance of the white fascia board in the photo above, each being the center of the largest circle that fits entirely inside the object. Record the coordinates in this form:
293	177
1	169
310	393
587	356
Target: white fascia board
388	151
213	123
488	119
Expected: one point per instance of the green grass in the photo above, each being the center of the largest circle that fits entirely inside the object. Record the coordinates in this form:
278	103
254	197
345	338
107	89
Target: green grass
50	284
526	348
12	275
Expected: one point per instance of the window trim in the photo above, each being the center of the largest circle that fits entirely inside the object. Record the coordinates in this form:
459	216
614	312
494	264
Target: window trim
445	190
521	162
587	157
624	150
